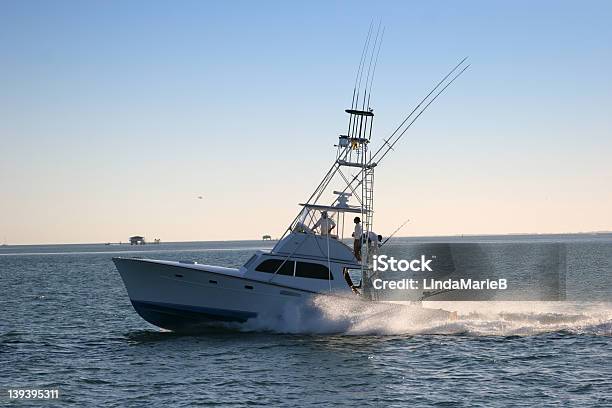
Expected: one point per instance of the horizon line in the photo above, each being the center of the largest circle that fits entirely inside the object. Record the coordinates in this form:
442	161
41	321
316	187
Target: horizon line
602	232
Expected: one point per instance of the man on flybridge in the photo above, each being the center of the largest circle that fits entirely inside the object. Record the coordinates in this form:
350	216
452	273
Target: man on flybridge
325	224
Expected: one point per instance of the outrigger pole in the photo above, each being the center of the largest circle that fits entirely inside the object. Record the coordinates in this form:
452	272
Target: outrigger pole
390	147
389	143
418	106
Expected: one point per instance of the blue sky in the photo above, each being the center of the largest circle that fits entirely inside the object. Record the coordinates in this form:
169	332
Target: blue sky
115	116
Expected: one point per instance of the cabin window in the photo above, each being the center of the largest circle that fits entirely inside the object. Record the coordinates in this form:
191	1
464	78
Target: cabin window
312	270
271	265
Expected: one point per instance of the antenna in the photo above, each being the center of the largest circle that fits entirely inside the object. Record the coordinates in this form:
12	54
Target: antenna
365	93
374	71
355	100
366	48
361	61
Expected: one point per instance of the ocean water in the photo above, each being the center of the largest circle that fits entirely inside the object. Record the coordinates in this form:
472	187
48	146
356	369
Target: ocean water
66	323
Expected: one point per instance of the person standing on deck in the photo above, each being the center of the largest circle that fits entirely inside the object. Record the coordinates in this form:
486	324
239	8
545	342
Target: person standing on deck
325	224
374	242
357	238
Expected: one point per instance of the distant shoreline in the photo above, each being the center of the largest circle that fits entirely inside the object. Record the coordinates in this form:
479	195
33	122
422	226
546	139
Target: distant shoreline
455	236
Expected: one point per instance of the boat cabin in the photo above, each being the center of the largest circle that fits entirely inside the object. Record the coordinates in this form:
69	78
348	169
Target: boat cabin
309	259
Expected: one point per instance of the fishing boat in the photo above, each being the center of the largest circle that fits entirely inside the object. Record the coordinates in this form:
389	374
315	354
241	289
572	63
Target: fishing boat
310	259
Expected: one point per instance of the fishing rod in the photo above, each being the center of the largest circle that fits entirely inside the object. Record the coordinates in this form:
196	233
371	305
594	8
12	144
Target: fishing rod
395	232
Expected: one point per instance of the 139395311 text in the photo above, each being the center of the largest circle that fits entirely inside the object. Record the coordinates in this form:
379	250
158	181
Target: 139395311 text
27	393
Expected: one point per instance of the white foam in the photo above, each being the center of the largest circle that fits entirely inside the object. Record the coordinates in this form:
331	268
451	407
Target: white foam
327	315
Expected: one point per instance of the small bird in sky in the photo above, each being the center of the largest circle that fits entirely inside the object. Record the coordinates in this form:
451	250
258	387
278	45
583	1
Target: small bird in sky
200	197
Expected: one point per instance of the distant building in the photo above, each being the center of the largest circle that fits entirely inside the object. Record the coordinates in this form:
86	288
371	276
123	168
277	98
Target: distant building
137	240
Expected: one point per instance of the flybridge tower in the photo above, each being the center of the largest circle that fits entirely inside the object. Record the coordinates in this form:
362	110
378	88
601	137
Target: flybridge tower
353	152
359	134
353	168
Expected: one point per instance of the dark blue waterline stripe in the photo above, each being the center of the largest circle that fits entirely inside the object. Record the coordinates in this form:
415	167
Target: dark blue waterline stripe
172	316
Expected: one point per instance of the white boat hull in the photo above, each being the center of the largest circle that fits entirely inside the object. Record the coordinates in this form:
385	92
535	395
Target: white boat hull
179	297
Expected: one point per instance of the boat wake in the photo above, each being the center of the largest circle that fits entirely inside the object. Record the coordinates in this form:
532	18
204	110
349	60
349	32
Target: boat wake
326	315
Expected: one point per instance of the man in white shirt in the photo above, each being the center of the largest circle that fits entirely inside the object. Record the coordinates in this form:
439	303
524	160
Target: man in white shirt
357	238
325	224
